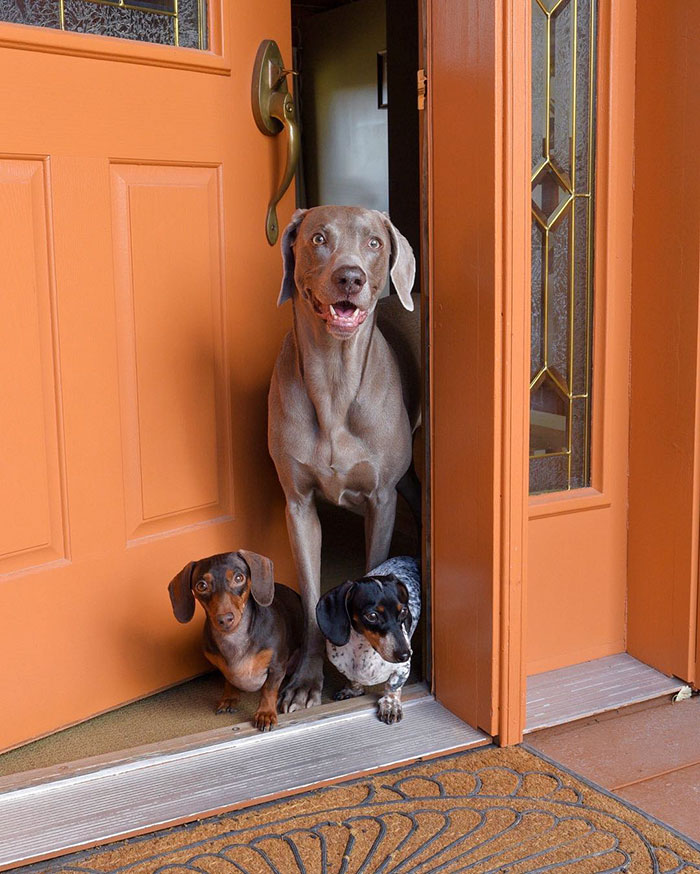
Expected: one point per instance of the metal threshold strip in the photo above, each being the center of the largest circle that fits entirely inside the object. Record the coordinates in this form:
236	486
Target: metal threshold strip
590	688
45	819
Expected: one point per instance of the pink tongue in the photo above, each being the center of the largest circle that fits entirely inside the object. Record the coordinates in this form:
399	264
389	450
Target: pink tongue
344	307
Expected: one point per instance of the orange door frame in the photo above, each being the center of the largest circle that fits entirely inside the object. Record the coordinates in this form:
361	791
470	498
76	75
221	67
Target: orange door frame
478	122
478	131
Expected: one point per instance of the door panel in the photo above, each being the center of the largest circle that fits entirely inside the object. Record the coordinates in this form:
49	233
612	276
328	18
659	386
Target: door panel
34	531
577	550
170	317
133	189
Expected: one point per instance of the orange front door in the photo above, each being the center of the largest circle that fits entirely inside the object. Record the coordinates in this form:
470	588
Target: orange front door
138	332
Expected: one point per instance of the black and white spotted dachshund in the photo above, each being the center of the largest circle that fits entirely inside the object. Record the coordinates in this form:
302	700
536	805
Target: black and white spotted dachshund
368	625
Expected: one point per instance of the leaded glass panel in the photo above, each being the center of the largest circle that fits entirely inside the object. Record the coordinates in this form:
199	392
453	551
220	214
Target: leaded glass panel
169	22
563	104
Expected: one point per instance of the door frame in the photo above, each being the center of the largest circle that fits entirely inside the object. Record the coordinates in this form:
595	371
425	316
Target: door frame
478	347
478	340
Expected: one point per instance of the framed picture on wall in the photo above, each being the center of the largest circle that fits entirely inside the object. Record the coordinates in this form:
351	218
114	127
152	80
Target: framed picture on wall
382	91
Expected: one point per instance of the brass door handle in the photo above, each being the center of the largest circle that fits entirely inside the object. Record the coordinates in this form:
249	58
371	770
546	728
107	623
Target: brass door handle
273	109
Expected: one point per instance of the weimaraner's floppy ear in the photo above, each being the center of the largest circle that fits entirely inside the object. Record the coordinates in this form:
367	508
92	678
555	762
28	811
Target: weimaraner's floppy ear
403	264
181	596
332	614
262	576
287	246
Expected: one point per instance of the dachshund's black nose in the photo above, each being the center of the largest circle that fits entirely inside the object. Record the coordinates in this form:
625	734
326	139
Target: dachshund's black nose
224	620
350	280
403	656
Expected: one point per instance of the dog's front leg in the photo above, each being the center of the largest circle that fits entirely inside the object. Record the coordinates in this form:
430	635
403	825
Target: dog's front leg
304	686
389	707
380	514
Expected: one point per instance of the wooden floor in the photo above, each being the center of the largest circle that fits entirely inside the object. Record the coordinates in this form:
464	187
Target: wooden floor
649	757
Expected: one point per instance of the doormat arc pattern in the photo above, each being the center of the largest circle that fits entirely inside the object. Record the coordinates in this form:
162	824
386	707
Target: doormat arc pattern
485	812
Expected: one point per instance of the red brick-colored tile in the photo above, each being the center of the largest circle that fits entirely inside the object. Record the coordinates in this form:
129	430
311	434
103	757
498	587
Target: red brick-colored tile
673	798
633	747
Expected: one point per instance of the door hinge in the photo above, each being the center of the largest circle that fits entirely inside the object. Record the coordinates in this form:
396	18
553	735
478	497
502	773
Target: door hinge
422	88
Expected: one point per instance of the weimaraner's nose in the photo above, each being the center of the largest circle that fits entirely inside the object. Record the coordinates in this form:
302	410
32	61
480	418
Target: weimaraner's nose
348	279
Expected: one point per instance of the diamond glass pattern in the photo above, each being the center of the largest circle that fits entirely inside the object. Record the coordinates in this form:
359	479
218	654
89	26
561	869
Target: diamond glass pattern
563	106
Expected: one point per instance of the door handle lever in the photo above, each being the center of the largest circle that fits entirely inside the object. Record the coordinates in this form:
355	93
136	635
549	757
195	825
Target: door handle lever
274	111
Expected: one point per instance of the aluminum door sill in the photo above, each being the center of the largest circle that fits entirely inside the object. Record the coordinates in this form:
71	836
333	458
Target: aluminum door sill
591	688
46	819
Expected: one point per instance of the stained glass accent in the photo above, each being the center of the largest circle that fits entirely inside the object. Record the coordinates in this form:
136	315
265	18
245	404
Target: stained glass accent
169	22
563	112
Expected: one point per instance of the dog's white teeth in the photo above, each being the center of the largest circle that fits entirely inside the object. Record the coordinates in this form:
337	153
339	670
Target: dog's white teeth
356	316
333	312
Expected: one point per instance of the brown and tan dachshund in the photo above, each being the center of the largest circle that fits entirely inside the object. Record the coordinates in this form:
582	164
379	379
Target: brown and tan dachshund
254	642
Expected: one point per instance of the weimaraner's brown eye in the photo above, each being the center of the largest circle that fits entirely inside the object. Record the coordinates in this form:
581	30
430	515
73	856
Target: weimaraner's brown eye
239	578
375	243
318	239
201	586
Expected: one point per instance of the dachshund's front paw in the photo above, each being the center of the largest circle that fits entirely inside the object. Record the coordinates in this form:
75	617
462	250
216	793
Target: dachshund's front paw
349	692
390	709
227	705
265	720
304	687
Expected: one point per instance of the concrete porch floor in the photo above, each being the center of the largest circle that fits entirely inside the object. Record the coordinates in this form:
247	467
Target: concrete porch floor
649	757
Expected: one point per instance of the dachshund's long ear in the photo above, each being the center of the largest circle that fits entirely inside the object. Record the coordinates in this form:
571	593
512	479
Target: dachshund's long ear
288	261
403	264
404	598
262	576
332	614
181	597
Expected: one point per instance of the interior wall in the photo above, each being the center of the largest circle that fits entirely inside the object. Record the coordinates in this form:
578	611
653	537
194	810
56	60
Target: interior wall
344	133
404	134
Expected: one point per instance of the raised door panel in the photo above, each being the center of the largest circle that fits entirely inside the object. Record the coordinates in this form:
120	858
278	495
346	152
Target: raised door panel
172	346
33	528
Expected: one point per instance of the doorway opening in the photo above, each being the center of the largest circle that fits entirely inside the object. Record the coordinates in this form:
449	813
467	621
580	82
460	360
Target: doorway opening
355	92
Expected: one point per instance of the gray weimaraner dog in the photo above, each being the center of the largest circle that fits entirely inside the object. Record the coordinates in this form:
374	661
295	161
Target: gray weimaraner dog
344	398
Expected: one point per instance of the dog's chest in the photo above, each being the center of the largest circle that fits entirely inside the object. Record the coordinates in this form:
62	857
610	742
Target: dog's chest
246	672
360	662
343	480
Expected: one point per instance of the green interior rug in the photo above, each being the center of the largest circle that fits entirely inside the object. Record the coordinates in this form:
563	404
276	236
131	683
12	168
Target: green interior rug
490	811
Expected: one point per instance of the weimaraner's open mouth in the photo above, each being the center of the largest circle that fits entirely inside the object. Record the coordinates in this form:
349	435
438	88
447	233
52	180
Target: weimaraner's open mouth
341	317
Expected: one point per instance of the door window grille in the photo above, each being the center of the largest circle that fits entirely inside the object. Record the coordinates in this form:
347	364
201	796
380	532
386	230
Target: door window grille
169	22
563	124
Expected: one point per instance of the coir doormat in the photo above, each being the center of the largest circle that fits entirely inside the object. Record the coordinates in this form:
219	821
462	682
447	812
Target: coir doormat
490	811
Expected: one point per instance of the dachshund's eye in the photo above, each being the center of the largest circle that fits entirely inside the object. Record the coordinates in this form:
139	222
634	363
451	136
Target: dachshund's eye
238	578
318	239
375	243
403	613
201	586
371	617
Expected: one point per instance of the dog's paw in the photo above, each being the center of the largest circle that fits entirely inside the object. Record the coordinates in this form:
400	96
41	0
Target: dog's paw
265	720
303	689
349	692
226	705
389	709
